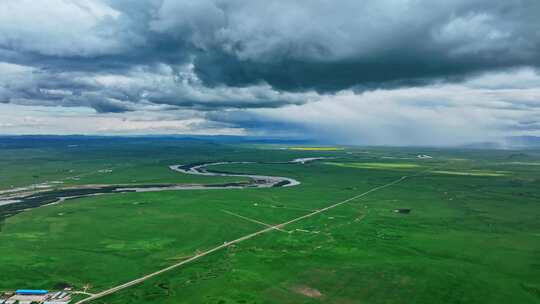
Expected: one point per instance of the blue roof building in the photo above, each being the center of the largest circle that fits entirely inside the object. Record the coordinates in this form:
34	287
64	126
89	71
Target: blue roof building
31	291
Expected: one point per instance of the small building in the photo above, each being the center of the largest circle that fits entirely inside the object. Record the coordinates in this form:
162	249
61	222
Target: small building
31	292
56	295
402	210
61	295
30	296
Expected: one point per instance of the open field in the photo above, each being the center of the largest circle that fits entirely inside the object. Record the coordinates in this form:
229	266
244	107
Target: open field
472	173
375	165
468	239
316	148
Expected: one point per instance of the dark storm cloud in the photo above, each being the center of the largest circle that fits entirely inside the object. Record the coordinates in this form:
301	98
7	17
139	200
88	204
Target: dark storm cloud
330	46
291	45
160	86
250	64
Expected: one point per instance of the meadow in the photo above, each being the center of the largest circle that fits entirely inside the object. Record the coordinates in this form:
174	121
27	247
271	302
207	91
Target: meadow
471	237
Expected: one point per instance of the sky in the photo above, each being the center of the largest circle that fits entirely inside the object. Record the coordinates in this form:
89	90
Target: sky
373	72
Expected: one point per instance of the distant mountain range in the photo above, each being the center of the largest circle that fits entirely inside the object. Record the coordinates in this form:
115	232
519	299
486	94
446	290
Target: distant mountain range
524	141
22	141
513	142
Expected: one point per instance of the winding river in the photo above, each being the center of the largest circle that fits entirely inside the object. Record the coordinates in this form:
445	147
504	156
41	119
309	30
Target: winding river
13	203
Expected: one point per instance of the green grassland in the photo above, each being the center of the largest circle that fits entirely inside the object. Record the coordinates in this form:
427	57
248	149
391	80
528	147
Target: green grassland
375	165
472	172
316	148
130	161
472	238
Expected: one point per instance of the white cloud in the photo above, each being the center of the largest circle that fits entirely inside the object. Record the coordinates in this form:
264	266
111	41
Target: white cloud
235	67
442	114
16	119
59	27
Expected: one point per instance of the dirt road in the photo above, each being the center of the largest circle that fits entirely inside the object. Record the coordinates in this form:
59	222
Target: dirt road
236	241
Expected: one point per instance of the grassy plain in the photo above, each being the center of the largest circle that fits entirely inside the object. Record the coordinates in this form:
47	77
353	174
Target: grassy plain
316	148
469	238
375	165
472	173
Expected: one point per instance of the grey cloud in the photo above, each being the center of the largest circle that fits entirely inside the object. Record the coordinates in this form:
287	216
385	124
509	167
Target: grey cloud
59	28
327	46
142	86
526	126
291	45
259	65
443	114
